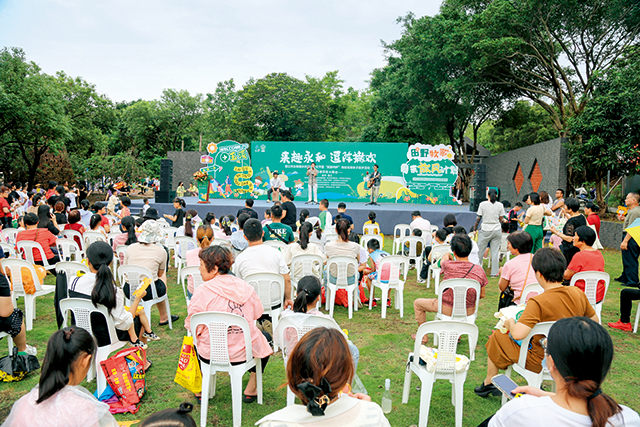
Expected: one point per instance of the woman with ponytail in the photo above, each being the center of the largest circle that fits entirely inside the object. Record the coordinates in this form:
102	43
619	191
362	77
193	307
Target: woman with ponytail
302	247
186	230
343	247
131	324
372	221
128	234
578	355
491	213
226	224
59	399
304	214
204	234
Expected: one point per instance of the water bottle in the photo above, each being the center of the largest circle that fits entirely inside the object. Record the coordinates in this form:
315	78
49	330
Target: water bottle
386	397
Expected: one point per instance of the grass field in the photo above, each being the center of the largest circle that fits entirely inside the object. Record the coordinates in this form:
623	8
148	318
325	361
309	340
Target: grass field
383	343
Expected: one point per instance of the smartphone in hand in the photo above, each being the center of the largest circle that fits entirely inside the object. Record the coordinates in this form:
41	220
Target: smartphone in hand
505	385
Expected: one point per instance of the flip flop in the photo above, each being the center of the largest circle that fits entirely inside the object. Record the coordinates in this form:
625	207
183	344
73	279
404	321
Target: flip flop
249	399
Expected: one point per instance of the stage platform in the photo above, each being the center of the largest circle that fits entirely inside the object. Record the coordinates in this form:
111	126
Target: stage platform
388	214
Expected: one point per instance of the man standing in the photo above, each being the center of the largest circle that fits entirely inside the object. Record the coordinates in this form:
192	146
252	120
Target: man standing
374	180
629	248
559	203
275	185
312	173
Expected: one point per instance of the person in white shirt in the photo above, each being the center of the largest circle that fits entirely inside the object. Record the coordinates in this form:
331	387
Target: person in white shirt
276	185
260	258
418	222
491	213
578	355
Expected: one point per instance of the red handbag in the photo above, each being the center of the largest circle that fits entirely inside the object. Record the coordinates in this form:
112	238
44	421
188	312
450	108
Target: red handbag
125	374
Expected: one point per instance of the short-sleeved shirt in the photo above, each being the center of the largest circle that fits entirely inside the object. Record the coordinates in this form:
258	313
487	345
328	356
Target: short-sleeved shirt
513	221
4	204
42	236
290	218
420	223
594	219
462	270
535	214
343	216
569	229
281	230
152	256
490	213
515	271
248	211
588	261
325	219
632	215
179	222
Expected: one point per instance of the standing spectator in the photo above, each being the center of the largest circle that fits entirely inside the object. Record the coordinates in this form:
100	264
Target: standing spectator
85	213
72	195
248	209
5	208
177	219
545	200
259	258
145	206
324	215
491	213
559	203
82	192
533	219
312	173
588	259
51	190
515	217
576	219
276	230
289	213
591	211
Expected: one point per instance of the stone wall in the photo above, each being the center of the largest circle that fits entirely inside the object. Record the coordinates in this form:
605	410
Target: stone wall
611	234
537	167
185	164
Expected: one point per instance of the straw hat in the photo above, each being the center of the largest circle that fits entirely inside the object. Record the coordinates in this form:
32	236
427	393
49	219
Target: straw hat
151	232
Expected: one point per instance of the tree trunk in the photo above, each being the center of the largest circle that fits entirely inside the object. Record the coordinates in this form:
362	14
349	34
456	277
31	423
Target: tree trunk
602	204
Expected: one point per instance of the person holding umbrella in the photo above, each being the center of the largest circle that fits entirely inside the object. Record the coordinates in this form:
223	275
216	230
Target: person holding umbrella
629	248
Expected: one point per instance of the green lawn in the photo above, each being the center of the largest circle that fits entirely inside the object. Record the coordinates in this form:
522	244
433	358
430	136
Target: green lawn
383	343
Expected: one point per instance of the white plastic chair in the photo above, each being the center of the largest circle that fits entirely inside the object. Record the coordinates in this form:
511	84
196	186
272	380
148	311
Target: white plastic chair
364	240
530	288
9	341
192	271
11	233
135	274
635	324
370	229
82	309
92	236
533	379
434	228
16	265
503	248
331	237
9	248
182	245
591	280
341	265
163	223
274	244
426	236
75	236
447	333
169	242
270	290
310	323
416	246
222	242
71	269
459	288
26	248
112	235
437	252
400	231
305	265
218	325
397	266
68	250
112	219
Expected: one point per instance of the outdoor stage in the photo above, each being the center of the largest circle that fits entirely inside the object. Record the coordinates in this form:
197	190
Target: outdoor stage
388	214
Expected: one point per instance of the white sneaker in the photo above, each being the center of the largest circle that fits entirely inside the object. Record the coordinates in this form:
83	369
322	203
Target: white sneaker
421	280
31	350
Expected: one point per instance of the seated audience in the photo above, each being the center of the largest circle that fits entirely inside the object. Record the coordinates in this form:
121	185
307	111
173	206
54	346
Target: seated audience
342	211
204	235
47	220
344	247
11	318
125	201
60	213
127	237
440	238
376	254
39	235
58	399
267	217
75	225
578	354
517	272
556	302
186	230
225	231
95	224
317	237
100	209
588	259
85	213
418	222
276	230
372	221
227	293
319	372
591	211
575	220
248	209
454	266
131	323
325	216
237	237
302	247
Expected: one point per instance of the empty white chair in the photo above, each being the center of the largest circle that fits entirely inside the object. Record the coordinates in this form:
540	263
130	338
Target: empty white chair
532	288
71	269
135	274
341	266
591	280
370	229
364	240
26	248
218	325
8	248
286	325
533	379
270	290
82	309
11	233
400	231
394	268
415	246
437	252
182	245
192	272
16	266
447	333
305	265
121	251
91	236
503	248
68	250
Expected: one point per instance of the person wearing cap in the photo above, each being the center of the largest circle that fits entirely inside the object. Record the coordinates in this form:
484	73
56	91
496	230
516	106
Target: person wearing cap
150	253
275	183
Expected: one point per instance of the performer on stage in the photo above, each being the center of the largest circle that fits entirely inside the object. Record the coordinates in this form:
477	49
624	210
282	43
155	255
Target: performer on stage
276	183
374	184
312	173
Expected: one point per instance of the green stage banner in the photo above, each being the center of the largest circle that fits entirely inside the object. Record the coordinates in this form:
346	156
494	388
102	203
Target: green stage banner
227	172
429	174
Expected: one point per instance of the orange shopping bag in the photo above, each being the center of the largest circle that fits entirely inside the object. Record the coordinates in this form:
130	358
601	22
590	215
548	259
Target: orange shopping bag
188	374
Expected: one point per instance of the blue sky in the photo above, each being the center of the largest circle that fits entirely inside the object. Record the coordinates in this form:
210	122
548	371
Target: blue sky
135	49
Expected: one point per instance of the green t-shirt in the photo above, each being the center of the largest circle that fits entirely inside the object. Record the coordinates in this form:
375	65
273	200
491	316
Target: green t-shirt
325	219
282	230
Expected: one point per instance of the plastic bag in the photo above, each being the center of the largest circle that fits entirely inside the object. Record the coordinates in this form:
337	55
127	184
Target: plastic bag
16	366
188	374
125	375
27	280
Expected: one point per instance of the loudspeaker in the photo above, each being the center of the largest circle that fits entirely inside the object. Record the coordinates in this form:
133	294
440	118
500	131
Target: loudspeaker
478	188
166	175
164	196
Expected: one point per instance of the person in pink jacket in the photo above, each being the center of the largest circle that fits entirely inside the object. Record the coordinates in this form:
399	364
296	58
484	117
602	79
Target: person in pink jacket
223	292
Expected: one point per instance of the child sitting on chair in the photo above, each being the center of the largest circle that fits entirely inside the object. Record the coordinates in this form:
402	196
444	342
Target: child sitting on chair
371	273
